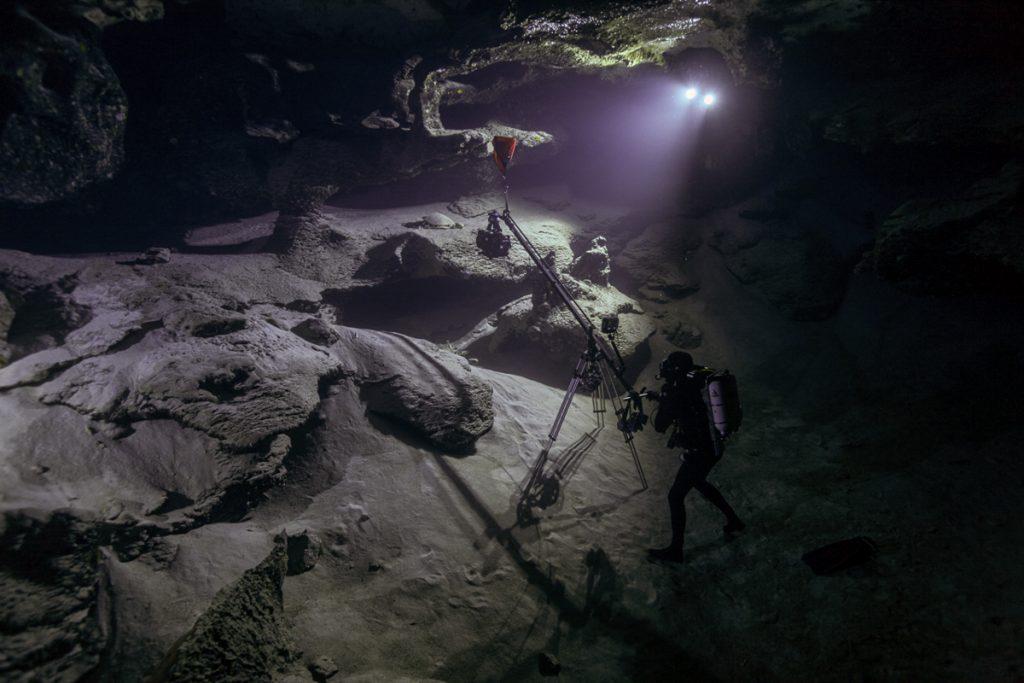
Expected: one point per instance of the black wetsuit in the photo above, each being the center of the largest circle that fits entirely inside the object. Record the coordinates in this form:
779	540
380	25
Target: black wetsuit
683	403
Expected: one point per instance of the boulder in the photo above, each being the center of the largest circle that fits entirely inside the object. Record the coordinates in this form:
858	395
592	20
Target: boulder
323	668
407	255
729	238
316	331
438	220
433	392
155	255
593	264
239	388
63	102
205	322
175	363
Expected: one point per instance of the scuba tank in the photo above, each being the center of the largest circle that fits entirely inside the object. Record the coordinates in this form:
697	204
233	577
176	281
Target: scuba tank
722	397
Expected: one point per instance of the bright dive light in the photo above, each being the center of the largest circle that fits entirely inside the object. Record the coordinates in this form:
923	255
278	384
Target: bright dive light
709	99
690	93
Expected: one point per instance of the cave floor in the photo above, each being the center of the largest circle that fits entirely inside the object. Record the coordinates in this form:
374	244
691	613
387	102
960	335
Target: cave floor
427	572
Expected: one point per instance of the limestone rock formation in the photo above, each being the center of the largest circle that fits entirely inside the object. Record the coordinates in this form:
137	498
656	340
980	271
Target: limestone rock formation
435	393
180	359
303	547
957	245
216	456
656	261
593	264
56	610
62	101
552	332
316	331
242	636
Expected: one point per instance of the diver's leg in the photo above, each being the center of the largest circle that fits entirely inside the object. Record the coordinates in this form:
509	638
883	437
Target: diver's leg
711	494
685	480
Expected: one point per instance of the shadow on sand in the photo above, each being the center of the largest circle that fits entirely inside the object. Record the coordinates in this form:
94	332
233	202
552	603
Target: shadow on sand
656	655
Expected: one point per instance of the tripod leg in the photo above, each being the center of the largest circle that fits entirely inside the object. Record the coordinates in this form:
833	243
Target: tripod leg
620	412
537	471
563	410
599	397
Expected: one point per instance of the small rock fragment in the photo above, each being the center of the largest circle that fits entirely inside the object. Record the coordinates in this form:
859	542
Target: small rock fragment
215	327
684	335
279	447
323	668
303	306
304	548
280	131
155	255
376	121
548	664
316	331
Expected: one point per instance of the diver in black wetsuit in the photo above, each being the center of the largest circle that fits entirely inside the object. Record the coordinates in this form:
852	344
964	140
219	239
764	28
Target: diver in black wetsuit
681	406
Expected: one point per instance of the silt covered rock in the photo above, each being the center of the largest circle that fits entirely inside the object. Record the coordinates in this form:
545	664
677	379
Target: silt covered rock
65	124
657	261
593	264
316	331
242	636
550	330
955	245
304	548
434	392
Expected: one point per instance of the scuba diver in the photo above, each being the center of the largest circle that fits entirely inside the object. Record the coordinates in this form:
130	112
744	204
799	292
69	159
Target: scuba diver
702	407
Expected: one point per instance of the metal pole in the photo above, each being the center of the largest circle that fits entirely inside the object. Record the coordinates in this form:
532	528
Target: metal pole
550	274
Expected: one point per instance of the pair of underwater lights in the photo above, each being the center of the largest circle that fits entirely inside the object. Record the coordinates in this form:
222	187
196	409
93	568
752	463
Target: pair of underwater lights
691	93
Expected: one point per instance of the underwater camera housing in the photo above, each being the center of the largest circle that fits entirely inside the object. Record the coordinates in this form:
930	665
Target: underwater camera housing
610	324
491	241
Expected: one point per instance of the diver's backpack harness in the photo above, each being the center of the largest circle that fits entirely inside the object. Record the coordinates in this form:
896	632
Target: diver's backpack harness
722	397
720	394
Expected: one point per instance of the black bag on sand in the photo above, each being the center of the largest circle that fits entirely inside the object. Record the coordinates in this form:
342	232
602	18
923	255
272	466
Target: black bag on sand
835	557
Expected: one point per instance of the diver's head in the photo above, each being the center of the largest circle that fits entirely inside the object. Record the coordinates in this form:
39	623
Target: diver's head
675	366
